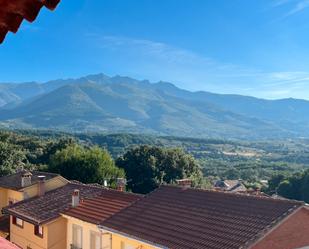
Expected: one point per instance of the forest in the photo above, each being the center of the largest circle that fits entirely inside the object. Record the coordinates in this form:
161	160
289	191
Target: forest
147	161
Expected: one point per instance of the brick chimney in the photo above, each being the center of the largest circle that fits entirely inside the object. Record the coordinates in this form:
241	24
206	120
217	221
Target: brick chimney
41	185
185	183
75	198
26	179
121	184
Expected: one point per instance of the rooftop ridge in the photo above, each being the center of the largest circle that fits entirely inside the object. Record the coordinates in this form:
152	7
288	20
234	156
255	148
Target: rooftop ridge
31	171
239	194
44	172
99	186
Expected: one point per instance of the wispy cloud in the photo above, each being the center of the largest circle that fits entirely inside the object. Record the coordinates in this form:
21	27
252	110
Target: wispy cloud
295	6
278	3
300	6
155	49
160	61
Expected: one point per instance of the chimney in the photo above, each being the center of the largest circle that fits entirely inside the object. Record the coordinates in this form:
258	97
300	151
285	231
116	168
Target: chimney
75	198
26	179
41	185
185	183
121	184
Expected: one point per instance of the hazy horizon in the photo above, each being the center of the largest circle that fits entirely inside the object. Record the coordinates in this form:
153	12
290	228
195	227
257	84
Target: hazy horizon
152	82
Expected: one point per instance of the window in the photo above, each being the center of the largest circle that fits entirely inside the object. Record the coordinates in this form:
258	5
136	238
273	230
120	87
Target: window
77	240
95	240
18	222
38	231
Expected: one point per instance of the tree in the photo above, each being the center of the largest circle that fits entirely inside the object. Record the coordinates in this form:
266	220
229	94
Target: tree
11	158
295	186
91	165
305	187
274	182
147	167
52	147
285	189
232	174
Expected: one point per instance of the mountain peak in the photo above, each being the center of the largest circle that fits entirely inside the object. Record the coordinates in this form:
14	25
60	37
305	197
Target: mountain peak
97	78
122	104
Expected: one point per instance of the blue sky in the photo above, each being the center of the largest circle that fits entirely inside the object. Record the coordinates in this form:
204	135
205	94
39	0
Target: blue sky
251	47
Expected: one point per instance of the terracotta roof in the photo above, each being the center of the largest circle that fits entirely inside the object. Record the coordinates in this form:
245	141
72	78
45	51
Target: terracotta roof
14	181
97	203
97	209
39	210
173	217
13	12
5	244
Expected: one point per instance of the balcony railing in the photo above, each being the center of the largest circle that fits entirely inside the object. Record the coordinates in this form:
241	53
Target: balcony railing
75	247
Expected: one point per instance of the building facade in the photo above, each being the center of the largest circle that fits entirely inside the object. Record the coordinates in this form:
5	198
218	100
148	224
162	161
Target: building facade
26	235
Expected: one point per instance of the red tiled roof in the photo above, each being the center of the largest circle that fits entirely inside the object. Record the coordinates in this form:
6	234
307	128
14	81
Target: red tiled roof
39	210
179	218
13	12
4	244
97	203
101	207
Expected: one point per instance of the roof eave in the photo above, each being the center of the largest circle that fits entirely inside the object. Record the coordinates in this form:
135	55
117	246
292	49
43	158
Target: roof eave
67	216
266	232
28	219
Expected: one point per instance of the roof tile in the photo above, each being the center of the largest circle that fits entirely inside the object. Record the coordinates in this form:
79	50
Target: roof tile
39	210
191	218
101	207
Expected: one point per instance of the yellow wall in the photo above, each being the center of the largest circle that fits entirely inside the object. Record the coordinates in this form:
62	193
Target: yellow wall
109	240
25	237
118	240
8	194
87	229
3	198
50	184
54	235
14	195
57	234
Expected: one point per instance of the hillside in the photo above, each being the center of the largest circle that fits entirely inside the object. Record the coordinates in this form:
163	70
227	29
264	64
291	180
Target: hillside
250	161
121	104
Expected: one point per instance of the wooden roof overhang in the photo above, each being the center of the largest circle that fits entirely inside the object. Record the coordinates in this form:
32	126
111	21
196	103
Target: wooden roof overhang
13	12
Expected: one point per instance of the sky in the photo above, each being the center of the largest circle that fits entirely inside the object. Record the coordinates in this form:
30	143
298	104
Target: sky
250	47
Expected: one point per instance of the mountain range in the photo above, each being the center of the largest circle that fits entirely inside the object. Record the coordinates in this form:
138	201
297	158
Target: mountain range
99	103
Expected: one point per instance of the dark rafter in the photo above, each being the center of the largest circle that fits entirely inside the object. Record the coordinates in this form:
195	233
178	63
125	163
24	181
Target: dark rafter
13	12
